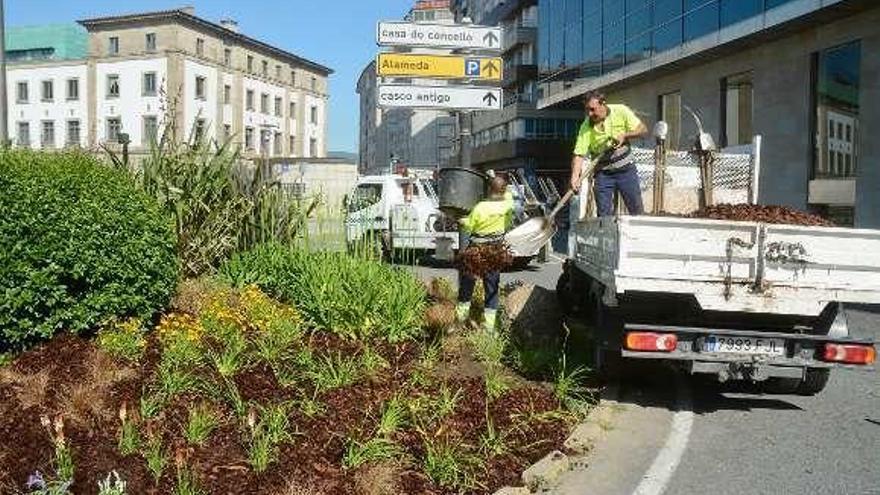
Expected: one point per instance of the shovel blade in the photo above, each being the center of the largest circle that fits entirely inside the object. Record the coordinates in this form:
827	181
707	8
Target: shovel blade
530	237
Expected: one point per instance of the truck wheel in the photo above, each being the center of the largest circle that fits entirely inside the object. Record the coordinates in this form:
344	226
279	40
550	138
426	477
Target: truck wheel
814	382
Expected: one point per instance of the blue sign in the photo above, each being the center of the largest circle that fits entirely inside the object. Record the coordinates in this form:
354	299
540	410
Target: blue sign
472	67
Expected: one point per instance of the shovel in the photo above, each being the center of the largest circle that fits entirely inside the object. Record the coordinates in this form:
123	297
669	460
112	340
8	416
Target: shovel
528	238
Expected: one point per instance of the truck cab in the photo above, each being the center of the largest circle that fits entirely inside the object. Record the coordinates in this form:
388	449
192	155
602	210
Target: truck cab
398	212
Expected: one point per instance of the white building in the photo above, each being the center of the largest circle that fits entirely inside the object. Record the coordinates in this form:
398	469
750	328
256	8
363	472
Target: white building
219	82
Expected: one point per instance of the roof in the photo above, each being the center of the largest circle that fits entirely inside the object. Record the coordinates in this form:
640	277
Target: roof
66	41
183	16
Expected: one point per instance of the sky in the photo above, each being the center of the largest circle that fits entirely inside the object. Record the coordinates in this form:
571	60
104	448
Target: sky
339	34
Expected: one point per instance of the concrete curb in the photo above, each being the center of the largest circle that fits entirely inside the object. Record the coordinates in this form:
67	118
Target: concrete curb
541	476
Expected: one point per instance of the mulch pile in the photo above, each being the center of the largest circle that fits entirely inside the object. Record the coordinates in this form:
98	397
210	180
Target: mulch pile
479	259
761	214
57	379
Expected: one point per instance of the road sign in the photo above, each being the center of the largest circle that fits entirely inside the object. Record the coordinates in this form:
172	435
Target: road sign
439	66
438	35
439	97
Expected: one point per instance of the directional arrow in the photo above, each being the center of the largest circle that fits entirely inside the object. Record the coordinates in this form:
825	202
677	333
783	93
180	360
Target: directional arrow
490	99
490	68
490	38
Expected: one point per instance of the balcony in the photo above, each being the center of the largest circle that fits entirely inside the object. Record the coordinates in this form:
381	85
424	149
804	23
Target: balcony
514	37
514	74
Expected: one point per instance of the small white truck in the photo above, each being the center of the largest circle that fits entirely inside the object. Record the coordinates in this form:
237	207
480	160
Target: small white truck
398	212
735	299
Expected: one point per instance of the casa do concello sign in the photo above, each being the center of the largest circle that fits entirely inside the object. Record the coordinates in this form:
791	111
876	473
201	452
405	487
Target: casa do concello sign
477	65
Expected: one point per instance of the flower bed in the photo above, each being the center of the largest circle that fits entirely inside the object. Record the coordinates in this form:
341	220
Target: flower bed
237	393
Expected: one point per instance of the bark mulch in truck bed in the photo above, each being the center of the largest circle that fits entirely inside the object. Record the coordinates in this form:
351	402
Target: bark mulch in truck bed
71	379
762	214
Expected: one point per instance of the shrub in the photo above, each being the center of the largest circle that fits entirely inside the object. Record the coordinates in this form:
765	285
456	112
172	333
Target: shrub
336	292
79	245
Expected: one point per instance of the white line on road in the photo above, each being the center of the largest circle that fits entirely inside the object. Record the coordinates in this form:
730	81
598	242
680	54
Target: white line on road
654	482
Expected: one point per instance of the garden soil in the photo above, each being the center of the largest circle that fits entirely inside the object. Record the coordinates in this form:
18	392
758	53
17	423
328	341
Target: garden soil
58	377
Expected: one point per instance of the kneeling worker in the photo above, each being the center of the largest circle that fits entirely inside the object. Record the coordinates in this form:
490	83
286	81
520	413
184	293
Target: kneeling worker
487	223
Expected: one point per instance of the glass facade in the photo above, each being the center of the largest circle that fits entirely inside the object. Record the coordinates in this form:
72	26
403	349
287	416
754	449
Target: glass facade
593	37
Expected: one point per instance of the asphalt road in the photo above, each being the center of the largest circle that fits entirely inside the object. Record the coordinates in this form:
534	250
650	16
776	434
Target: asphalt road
681	436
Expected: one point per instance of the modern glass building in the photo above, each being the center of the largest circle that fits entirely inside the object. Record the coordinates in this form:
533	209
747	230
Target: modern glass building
594	37
802	74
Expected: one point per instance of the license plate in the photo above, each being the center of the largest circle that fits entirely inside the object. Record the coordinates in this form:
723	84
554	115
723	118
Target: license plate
744	345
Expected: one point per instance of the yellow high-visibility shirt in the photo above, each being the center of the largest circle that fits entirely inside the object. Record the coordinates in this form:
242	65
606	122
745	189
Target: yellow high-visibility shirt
490	217
596	139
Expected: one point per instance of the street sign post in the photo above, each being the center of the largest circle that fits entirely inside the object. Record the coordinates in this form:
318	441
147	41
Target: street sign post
439	97
452	36
439	66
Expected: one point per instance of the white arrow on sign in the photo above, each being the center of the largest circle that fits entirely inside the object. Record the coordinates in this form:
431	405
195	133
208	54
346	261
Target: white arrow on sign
439	97
389	33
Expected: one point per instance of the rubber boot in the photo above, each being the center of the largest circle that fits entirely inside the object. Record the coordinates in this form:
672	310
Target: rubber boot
462	310
490	320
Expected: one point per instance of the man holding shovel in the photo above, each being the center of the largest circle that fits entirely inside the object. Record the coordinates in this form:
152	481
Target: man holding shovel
604	136
486	224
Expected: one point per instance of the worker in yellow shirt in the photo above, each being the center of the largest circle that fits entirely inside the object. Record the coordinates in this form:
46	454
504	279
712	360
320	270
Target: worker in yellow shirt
487	222
604	136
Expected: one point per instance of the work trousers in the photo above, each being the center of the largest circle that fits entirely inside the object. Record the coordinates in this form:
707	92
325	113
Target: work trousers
625	180
491	283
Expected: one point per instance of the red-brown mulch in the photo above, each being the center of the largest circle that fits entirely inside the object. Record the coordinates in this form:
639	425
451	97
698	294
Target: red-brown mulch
761	213
479	259
312	460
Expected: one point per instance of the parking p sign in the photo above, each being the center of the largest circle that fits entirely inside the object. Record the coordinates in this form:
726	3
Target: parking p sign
472	67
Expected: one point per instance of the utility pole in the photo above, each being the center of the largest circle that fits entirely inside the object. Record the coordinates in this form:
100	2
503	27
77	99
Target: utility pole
4	111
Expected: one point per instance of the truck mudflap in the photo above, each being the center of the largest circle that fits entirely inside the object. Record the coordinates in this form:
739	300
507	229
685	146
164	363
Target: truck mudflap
744	354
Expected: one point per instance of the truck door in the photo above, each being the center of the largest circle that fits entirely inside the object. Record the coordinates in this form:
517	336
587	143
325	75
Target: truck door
365	211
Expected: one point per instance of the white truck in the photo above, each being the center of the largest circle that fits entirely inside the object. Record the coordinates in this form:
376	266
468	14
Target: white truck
738	300
398	212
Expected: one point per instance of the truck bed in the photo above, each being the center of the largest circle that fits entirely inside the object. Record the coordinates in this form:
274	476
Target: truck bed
731	265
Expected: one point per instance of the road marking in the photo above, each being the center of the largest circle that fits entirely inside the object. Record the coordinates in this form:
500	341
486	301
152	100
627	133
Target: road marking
660	473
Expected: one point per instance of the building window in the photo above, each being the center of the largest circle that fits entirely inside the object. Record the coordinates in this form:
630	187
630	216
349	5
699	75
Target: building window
278	144
265	138
47	136
278	107
249	138
48	91
250	63
293	110
201	92
149	84
114	127
314	83
73	133
227	132
313	147
21	94
73	89
199	130
670	112
278	72
112	86
264	103
113	47
292	149
150	42
227	94
227	57
200	47
736	110
151	129
313	115
249	100
265	68
24	134
836	85
292	77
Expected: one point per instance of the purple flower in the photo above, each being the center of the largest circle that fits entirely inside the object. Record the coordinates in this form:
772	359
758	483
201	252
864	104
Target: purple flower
36	481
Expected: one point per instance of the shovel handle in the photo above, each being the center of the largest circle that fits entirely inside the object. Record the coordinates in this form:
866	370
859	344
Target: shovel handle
568	195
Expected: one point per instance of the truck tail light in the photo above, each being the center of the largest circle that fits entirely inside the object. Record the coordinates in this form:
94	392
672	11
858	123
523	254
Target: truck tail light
650	341
850	353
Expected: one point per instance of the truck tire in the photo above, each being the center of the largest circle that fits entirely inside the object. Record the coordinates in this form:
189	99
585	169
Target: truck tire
814	382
